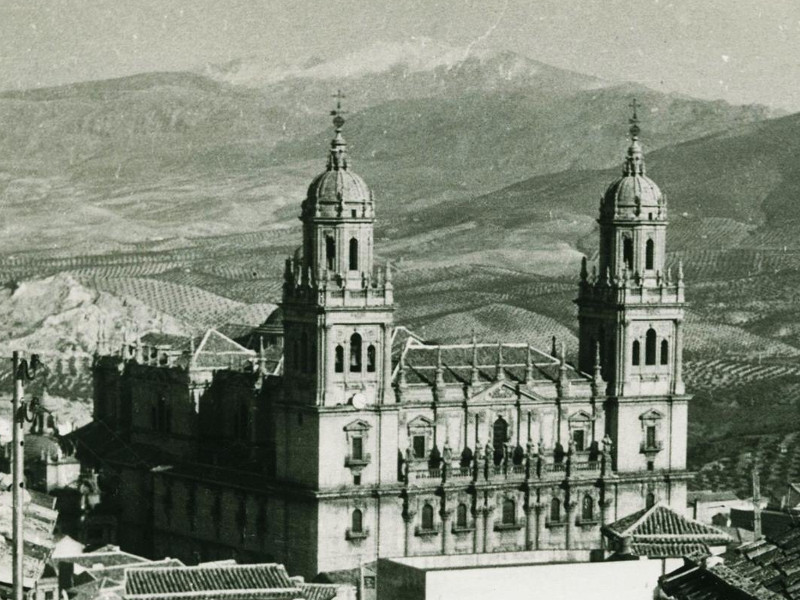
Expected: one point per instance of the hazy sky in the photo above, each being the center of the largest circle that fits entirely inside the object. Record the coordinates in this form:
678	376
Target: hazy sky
740	50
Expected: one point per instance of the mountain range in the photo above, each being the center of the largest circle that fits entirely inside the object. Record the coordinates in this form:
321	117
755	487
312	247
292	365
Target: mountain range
179	193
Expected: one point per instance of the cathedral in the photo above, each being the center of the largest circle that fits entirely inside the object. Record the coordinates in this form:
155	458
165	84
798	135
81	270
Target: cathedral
345	437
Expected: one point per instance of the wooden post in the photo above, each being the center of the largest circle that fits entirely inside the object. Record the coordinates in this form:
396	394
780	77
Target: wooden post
18	479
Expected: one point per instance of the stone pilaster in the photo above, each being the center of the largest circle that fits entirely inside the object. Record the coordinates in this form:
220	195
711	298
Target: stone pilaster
488	536
448	546
408	518
530	526
541	528
570	524
479	516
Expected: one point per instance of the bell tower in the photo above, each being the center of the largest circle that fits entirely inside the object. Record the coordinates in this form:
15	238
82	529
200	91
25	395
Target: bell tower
338	308
631	310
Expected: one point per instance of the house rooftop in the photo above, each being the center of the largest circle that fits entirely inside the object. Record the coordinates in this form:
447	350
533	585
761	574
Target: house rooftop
660	532
216	581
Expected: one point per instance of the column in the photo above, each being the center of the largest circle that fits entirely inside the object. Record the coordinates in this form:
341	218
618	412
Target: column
447	534
408	517
605	512
479	517
541	528
327	351
570	525
488	522
530	526
677	353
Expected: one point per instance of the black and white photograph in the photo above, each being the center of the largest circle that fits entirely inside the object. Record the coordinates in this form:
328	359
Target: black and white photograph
399	300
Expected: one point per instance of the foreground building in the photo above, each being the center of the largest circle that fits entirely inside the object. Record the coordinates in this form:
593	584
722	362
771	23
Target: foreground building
367	442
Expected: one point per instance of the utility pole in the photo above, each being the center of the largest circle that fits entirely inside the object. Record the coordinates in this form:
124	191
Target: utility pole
19	415
18	480
756	504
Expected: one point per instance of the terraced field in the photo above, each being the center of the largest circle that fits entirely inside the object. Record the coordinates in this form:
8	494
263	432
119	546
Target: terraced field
193	305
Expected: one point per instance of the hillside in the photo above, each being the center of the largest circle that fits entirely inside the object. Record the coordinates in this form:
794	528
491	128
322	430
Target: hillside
169	200
158	156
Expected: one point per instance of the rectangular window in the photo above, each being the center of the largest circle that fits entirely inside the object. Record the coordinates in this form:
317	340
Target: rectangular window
579	437
651	436
356	479
419	446
357	448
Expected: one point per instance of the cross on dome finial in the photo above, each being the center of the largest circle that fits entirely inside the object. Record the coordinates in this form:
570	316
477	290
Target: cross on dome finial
336	113
338	156
634	120
634	161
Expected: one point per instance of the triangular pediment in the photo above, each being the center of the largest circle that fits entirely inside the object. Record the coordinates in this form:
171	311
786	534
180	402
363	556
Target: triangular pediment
357	425
651	415
501	390
420	422
580	416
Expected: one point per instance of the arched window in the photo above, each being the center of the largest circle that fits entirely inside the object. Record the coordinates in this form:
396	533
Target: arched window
509	512
635	353
461	516
587	508
338	361
649	252
627	252
664	352
357	522
555	510
650	500
330	253
427	517
370	358
353	254
355	353
499	439
303	359
650	347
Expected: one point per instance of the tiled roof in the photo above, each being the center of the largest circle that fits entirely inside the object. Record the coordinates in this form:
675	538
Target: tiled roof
773	562
659	531
318	591
104	558
667	549
216	580
117	572
696	582
421	362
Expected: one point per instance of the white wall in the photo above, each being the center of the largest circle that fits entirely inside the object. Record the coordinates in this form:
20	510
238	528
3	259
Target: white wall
625	580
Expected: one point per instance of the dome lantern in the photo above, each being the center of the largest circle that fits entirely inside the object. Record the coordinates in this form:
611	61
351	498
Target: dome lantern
633	195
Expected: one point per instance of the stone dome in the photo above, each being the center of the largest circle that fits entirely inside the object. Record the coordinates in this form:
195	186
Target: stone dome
336	186
338	191
633	195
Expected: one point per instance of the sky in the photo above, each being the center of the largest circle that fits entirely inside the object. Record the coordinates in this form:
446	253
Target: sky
743	51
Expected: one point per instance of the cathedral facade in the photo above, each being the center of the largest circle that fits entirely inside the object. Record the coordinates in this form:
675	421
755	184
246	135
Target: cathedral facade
364	441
